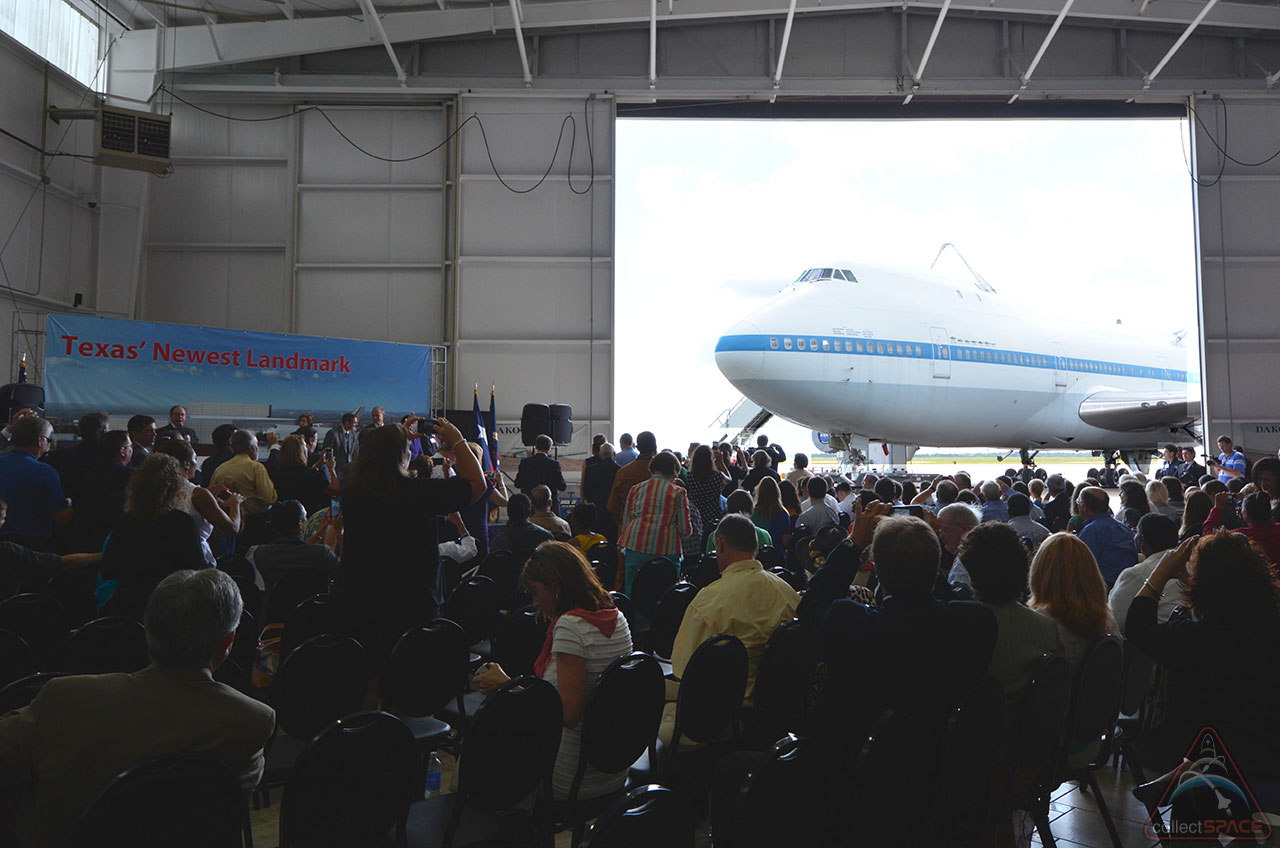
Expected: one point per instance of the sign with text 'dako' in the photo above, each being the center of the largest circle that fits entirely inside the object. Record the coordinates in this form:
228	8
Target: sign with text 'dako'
120	366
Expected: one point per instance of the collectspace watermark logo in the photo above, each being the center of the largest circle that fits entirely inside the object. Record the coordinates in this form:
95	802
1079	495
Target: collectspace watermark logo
1209	800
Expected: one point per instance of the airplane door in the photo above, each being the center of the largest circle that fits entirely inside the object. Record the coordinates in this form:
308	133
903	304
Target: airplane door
941	353
1059	366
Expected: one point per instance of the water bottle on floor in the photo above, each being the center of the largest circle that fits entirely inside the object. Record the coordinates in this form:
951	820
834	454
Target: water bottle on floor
434	774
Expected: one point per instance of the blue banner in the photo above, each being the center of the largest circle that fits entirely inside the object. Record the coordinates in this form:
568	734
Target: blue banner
120	366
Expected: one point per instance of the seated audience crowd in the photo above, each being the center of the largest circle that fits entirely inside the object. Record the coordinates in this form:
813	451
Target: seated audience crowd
905	593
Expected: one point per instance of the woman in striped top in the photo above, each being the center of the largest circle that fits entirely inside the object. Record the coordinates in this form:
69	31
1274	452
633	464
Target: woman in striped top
586	634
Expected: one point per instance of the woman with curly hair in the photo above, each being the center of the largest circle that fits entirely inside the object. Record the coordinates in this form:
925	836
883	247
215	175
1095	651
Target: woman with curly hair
1221	662
1067	586
153	538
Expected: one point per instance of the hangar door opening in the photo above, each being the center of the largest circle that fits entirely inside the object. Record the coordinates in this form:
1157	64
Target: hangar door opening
1088	225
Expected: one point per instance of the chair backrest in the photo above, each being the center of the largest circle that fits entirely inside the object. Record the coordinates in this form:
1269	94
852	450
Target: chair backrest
106	645
450	575
777	803
668	615
39	620
628	609
427	669
605	573
247	579
783	677
518	641
323	680
503	568
900	752
1137	679
309	618
653	578
604	553
473	606
970	748
292	589
245	648
705	572
1095	697
1038	733
647	816
511	745
711	690
351	784
180	799
16	659
621	717
23	691
769	556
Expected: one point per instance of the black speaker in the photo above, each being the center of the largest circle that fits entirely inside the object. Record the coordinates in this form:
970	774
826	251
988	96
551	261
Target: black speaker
535	421
17	396
561	423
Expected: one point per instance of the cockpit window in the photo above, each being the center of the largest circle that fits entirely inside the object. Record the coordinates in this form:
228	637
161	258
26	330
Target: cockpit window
816	274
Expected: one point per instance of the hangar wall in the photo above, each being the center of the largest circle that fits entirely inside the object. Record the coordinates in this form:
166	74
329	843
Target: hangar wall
1239	234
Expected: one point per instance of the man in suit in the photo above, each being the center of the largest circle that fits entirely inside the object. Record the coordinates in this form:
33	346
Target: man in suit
541	470
344	441
176	428
1057	510
142	432
82	731
1192	471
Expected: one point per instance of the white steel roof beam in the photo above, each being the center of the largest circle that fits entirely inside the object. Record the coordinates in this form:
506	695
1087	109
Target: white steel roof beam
928	50
250	41
1177	45
1044	45
653	44
376	32
524	55
786	41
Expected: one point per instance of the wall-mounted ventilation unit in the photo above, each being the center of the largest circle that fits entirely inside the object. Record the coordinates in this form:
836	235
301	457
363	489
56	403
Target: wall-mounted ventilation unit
124	138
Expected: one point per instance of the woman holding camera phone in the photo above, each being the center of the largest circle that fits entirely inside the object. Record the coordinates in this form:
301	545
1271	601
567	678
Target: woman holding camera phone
389	579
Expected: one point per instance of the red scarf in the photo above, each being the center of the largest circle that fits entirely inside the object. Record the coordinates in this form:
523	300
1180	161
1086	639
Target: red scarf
604	620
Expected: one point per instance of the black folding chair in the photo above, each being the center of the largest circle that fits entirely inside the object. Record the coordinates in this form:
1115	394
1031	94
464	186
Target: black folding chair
23	691
667	617
352	784
769	556
244	650
604	553
619	722
705	572
507	755
427	670
1037	739
247	579
777	803
41	623
647	816
503	568
783	677
106	645
16	659
310	618
473	606
518	641
707	708
1134	714
628	609
651	581
290	590
966	769
1091	715
795	579
181	799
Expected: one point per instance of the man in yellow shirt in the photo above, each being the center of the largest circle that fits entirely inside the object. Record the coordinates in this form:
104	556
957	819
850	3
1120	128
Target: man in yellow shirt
244	475
747	602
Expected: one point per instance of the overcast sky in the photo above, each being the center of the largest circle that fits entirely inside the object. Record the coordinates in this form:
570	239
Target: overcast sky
1092	219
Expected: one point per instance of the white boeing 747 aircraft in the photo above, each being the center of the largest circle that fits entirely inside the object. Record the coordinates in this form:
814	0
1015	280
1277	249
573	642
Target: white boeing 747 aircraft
862	352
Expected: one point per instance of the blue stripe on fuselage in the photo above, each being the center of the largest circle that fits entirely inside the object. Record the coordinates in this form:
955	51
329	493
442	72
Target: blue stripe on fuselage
958	354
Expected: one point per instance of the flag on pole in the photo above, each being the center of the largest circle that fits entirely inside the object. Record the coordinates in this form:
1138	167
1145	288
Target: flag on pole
494	451
482	434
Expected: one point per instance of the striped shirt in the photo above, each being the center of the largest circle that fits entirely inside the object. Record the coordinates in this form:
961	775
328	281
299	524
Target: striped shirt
580	638
656	517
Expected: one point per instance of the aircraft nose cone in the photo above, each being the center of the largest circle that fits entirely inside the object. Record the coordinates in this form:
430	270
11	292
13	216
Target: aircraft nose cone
740	354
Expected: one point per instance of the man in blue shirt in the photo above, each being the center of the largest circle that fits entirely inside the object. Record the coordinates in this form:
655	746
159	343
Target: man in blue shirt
32	488
626	453
1230	462
1172	466
1110	540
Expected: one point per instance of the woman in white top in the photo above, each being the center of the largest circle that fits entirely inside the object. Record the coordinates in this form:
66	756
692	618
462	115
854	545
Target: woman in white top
209	513
586	634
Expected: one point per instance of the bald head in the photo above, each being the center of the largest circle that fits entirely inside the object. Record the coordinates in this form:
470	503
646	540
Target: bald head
1093	501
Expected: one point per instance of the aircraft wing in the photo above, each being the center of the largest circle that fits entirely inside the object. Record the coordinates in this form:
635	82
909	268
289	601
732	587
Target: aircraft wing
1131	412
